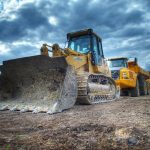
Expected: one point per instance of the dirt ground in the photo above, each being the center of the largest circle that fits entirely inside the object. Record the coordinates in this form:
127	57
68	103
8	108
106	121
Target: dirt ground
118	125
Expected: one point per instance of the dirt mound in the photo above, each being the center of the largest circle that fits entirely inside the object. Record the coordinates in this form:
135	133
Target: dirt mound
118	125
85	136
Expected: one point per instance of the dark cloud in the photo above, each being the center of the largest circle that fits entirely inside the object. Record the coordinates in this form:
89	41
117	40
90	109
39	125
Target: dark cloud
81	14
147	66
20	51
28	18
146	4
116	21
134	32
76	15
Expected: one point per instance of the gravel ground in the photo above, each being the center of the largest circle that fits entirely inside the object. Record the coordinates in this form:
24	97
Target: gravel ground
118	125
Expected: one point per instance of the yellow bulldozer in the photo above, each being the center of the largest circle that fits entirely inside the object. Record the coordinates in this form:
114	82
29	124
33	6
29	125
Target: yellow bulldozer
51	84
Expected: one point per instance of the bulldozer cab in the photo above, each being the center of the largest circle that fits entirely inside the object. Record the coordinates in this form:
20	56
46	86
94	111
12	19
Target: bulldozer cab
52	84
86	41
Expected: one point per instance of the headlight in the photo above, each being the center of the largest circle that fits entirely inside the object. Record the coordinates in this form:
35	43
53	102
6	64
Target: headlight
125	75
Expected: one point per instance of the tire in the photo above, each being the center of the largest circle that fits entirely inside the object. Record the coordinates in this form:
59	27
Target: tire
142	85
148	88
125	92
135	92
148	92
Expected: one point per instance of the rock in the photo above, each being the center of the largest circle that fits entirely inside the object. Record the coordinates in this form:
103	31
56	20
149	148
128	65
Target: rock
3	108
15	108
24	110
132	141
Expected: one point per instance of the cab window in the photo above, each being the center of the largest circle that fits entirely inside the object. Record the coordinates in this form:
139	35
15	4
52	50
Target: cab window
96	52
80	44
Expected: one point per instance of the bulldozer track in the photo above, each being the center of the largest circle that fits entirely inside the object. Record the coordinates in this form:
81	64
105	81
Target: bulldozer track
96	93
46	86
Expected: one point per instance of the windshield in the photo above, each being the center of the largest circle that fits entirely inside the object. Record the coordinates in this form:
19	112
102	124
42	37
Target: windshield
117	63
80	44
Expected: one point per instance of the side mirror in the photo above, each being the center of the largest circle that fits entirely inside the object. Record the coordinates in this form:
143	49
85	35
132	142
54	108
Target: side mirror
105	60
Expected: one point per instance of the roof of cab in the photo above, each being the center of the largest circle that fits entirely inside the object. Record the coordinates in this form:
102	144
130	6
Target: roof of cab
81	32
117	58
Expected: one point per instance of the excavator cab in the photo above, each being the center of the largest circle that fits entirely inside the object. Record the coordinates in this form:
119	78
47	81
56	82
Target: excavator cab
86	41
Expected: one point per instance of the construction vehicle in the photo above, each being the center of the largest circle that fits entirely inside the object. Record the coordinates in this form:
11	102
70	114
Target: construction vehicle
78	73
132	79
148	86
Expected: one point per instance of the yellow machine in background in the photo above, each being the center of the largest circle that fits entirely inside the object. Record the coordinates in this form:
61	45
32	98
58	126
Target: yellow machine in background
148	86
52	84
132	79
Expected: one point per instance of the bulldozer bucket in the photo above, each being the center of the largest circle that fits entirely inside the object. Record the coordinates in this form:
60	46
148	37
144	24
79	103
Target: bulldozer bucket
37	84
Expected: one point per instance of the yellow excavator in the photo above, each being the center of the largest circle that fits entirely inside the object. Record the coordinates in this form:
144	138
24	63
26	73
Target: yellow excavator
51	84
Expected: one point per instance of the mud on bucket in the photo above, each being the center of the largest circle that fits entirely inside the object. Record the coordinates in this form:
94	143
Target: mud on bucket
37	84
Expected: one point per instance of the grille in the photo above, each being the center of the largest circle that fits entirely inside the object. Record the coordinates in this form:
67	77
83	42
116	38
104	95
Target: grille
115	74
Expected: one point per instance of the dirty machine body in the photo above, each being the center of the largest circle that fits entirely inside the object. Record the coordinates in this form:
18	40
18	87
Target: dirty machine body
43	83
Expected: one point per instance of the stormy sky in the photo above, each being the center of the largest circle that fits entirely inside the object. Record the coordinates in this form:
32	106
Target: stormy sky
124	26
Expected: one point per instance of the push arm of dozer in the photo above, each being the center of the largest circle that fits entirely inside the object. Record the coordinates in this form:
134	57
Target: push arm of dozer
57	51
44	50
